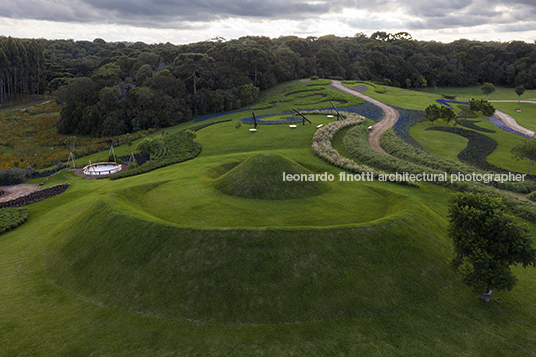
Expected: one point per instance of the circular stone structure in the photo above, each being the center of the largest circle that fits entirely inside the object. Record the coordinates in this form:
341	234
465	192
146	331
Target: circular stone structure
102	168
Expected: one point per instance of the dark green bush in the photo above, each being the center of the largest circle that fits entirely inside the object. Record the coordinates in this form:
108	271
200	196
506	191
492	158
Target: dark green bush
15	175
11	218
178	148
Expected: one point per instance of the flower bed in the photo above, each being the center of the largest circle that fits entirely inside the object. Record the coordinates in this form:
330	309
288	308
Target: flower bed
347	114
478	148
408	117
323	148
500	125
366	109
447	101
210	116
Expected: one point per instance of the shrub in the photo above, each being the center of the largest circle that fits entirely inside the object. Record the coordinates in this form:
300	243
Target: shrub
11	218
179	147
15	175
150	146
322	147
532	196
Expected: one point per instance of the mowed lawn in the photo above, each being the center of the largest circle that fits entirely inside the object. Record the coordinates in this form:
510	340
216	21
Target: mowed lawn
164	264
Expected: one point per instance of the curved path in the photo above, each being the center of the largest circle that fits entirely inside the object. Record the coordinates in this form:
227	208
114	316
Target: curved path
387	121
509	121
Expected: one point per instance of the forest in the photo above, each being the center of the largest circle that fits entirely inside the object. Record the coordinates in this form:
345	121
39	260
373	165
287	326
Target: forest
115	88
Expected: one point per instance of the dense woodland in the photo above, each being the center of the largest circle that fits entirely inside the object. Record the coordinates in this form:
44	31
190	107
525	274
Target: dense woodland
22	65
115	88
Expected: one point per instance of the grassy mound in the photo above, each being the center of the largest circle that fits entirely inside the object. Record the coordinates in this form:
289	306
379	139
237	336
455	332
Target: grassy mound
116	259
262	177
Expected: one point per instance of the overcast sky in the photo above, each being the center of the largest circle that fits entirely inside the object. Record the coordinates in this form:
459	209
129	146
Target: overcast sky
187	21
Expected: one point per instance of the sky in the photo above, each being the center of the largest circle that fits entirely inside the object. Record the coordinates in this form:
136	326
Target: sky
188	21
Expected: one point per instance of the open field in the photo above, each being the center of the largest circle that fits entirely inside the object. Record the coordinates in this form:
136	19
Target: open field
164	264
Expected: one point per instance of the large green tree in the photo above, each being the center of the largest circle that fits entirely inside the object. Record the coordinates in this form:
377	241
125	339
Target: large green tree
487	89
432	112
487	242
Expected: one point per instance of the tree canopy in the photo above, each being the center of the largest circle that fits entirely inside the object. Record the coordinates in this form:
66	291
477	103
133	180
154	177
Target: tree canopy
487	241
217	75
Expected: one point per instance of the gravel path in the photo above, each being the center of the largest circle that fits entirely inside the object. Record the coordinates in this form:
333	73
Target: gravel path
387	121
509	121
12	192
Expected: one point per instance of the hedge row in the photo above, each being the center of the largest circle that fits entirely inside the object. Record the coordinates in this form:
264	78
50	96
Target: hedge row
210	116
180	148
478	148
36	196
11	218
15	175
447	101
523	209
376	87
356	144
367	109
398	148
408	117
471	124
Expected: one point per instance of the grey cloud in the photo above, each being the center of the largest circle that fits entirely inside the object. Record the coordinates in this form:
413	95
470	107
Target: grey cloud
475	14
182	14
166	12
518	27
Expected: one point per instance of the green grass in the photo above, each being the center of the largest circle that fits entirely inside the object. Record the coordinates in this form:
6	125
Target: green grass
448	145
11	218
465	93
439	143
525	118
404	98
164	264
260	177
262	277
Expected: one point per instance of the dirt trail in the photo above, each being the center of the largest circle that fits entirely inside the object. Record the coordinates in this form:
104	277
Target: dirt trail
387	121
509	121
12	192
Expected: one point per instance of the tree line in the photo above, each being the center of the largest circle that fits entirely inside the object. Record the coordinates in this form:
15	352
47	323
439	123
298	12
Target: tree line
113	88
22	65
